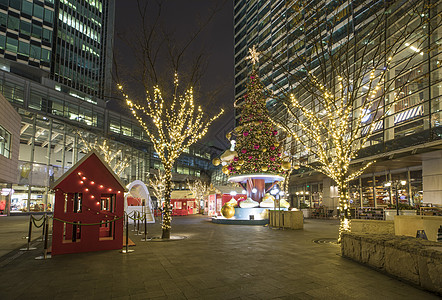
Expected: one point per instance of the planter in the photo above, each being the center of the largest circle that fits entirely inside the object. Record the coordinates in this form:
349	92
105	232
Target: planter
390	213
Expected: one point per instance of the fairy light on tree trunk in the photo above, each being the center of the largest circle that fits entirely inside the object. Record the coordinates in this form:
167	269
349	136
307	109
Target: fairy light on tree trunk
177	124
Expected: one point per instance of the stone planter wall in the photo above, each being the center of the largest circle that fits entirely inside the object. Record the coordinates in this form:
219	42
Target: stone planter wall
372	226
286	219
415	260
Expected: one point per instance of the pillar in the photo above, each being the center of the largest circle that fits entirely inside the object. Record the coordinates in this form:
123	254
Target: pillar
330	194
432	178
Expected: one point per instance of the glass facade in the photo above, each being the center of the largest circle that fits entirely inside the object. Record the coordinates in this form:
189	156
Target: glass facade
26	30
284	32
81	44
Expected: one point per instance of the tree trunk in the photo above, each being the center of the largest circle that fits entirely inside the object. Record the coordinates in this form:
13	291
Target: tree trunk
344	210
167	211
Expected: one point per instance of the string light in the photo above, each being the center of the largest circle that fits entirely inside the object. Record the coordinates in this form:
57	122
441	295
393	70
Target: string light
335	135
176	126
113	158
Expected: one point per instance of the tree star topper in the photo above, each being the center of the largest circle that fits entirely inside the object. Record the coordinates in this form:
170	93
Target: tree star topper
254	55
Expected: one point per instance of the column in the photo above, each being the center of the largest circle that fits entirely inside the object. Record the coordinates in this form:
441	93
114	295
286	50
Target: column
432	178
330	194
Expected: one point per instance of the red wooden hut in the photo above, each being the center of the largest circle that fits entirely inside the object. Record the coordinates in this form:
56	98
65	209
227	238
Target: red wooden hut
88	208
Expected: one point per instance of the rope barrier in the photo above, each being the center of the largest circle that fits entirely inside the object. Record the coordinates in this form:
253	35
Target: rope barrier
87	224
34	220
135	218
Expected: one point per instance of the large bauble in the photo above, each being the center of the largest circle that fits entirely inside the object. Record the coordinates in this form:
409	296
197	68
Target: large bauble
216	161
226	170
264	168
228	211
241	162
286	165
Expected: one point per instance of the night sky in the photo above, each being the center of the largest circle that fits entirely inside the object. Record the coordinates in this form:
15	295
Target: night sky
217	38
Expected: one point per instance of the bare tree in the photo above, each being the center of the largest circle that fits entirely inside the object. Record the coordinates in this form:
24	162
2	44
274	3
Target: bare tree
345	79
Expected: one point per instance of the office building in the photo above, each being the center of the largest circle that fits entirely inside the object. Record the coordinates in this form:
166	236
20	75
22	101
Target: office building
55	70
406	145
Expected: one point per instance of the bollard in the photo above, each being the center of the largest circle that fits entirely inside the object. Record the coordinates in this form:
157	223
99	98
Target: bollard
46	237
134	219
29	236
145	229
439	234
138	223
127	237
43	228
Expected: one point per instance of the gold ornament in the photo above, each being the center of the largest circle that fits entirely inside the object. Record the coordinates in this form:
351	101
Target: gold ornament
286	165
296	167
263	149
258	132
228	135
264	168
226	170
238	129
276	145
228	211
240	162
238	167
216	161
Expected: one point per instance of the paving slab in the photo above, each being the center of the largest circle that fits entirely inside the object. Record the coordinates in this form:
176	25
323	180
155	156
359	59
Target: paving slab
214	261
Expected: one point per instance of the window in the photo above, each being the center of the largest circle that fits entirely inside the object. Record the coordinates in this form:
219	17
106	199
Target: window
11	44
26	7
2	41
38	11
36	31
3	20
5	142
23	48
35	52
47	35
15	4
13	23
45	55
25	27
49	16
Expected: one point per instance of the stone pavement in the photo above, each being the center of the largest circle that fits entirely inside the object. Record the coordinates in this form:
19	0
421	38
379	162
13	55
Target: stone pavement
213	262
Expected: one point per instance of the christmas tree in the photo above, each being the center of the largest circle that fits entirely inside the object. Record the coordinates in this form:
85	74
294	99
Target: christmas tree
257	146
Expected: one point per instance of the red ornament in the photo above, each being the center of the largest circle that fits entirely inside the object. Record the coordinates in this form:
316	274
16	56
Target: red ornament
256	147
243	151
245	133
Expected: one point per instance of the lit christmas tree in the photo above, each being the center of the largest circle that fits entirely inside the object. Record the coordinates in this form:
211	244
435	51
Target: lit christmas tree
257	146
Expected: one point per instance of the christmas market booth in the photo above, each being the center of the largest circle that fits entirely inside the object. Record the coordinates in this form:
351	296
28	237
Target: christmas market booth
88	208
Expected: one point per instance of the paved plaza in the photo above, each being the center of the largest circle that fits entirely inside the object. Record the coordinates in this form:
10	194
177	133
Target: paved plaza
212	262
